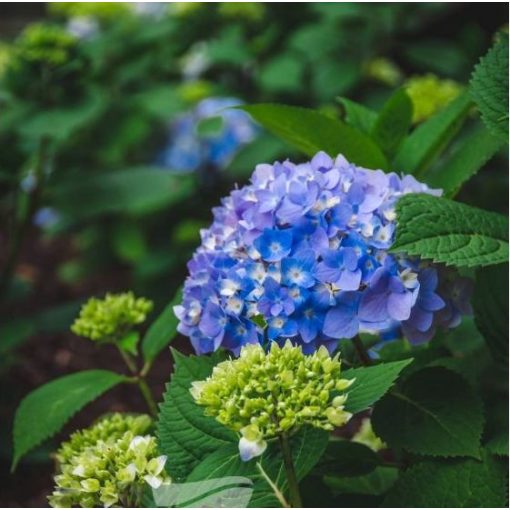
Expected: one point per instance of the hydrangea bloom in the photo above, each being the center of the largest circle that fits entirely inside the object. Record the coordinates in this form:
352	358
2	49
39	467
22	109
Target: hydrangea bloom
187	150
109	318
108	464
262	395
302	253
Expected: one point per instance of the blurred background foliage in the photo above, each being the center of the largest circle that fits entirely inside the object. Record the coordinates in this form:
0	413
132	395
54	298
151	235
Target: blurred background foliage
116	142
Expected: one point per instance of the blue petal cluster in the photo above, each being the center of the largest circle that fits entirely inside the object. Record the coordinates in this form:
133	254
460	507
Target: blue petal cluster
187	150
302	253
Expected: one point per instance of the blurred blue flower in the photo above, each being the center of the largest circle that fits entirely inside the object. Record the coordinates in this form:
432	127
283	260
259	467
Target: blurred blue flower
188	149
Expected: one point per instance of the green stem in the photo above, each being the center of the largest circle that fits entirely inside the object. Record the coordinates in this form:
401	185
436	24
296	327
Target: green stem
22	224
279	496
140	381
361	351
292	481
147	395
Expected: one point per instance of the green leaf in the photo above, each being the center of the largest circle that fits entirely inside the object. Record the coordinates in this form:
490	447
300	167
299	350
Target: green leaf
59	123
459	483
428	140
346	458
450	232
490	303
374	483
307	447
435	412
393	122
185	434
465	161
489	87
358	115
282	74
496	430
44	412
210	126
135	191
129	342
371	383
311	132
162	331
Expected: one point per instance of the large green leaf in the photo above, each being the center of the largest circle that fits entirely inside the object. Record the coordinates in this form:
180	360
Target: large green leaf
393	122
346	458
357	115
307	447
459	483
185	434
134	191
490	304
311	131
371	383
489	87
435	412
450	232
162	331
44	412
375	483
425	144
468	157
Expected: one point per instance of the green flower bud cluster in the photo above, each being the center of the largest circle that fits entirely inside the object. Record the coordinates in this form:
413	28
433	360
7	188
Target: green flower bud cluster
108	464
265	394
366	436
102	11
45	43
109	319
429	94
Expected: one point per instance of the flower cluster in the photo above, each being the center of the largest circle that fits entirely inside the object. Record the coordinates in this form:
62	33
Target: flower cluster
429	94
302	252
189	150
108	464
110	318
265	394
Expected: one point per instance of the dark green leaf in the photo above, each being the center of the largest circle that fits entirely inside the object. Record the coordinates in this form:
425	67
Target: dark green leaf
435	412
185	434
310	132
490	304
44	412
393	122
346	458
427	142
450	232
460	483
135	191
465	161
489	87
371	383
375	483
162	331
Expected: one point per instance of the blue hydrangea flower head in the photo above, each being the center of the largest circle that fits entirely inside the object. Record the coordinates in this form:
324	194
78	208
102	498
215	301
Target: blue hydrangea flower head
302	253
188	150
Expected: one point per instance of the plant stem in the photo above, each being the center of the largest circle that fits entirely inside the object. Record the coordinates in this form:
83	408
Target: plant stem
361	351
146	392
127	359
140	381
279	496
294	495
22	224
